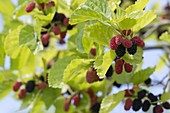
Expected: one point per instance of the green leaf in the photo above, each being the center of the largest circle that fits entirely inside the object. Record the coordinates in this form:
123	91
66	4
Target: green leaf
2	51
102	64
165	97
91	10
134	59
139	5
127	23
11	43
142	75
102	36
141	22
74	67
50	95
109	102
55	77
165	37
28	37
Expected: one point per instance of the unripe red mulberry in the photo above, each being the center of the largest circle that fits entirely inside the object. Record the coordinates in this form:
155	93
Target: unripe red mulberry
94	100
126	32
67	104
91	76
16	86
93	51
63	34
30	7
113	45
42	85
128	67
128	104
129	93
50	4
127	43
56	30
22	93
90	92
119	66
138	41
118	39
158	109
45	39
66	21
76	99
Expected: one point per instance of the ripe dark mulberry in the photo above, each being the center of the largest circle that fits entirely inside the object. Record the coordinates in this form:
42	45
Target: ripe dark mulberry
41	78
56	17
137	104
141	94
30	85
95	108
166	105
132	50
70	27
148	81
146	105
128	104
117	84
120	50
152	97
109	71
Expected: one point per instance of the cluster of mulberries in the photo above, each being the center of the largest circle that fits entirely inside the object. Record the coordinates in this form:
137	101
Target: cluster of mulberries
29	87
76	101
143	101
54	27
120	43
119	64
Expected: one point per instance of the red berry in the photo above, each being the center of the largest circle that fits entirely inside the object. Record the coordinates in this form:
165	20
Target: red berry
113	45
91	76
94	100
119	66
63	34
16	86
126	32
128	104
41	6
30	7
42	85
67	104
138	41
22	93
56	30
128	67
158	109
118	39
45	38
66	21
129	93
90	92
127	43
76	99
93	51
50	4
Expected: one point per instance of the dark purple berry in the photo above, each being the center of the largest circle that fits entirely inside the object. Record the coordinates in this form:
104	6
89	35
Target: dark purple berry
132	50
41	78
166	105
70	27
30	85
146	105
56	17
137	104
152	97
120	50
95	108
117	84
109	72
148	81
157	109
141	94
